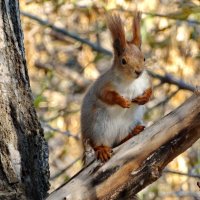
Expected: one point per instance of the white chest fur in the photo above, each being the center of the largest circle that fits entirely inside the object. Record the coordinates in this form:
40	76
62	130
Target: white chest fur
123	120
136	88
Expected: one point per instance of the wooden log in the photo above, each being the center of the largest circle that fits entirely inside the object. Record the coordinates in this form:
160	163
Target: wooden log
138	162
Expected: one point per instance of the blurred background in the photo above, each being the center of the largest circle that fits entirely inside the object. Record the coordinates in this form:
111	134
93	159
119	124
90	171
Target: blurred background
68	46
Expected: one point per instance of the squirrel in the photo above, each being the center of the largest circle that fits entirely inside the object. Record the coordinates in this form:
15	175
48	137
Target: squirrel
113	107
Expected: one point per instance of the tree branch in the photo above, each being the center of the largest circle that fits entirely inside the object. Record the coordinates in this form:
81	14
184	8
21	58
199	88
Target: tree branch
64	169
168	78
182	173
67	33
47	127
138	162
65	71
171	16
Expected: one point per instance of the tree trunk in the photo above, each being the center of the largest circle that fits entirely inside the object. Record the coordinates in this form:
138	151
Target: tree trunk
24	170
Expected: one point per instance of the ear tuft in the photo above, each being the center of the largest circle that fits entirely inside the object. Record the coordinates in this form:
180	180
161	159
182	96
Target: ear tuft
136	30
116	28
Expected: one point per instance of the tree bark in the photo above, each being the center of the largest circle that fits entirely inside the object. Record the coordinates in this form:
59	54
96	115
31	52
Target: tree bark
138	162
24	170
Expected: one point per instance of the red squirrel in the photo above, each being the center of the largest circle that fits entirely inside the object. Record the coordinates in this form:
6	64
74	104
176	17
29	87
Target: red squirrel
113	107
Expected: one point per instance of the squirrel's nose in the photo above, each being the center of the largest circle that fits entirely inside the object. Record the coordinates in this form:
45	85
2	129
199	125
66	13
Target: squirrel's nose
138	72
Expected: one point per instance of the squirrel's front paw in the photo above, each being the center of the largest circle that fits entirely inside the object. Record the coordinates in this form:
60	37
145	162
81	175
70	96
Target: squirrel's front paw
141	100
125	103
103	153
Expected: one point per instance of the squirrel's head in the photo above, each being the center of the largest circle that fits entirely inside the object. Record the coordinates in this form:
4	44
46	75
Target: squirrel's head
128	57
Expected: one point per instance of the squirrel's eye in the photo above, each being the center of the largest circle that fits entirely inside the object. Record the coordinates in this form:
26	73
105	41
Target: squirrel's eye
124	61
144	59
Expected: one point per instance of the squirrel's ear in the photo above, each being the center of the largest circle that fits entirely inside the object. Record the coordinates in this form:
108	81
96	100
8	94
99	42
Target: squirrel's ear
136	30
116	28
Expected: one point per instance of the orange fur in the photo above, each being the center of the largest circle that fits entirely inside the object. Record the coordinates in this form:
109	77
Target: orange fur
141	100
111	97
103	152
135	131
116	28
136	30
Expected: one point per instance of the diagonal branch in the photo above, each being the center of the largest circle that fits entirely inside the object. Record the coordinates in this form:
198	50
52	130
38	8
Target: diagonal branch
139	161
64	169
75	36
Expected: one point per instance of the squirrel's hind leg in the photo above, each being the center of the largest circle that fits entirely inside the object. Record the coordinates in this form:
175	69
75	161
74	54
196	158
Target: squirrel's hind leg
137	129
